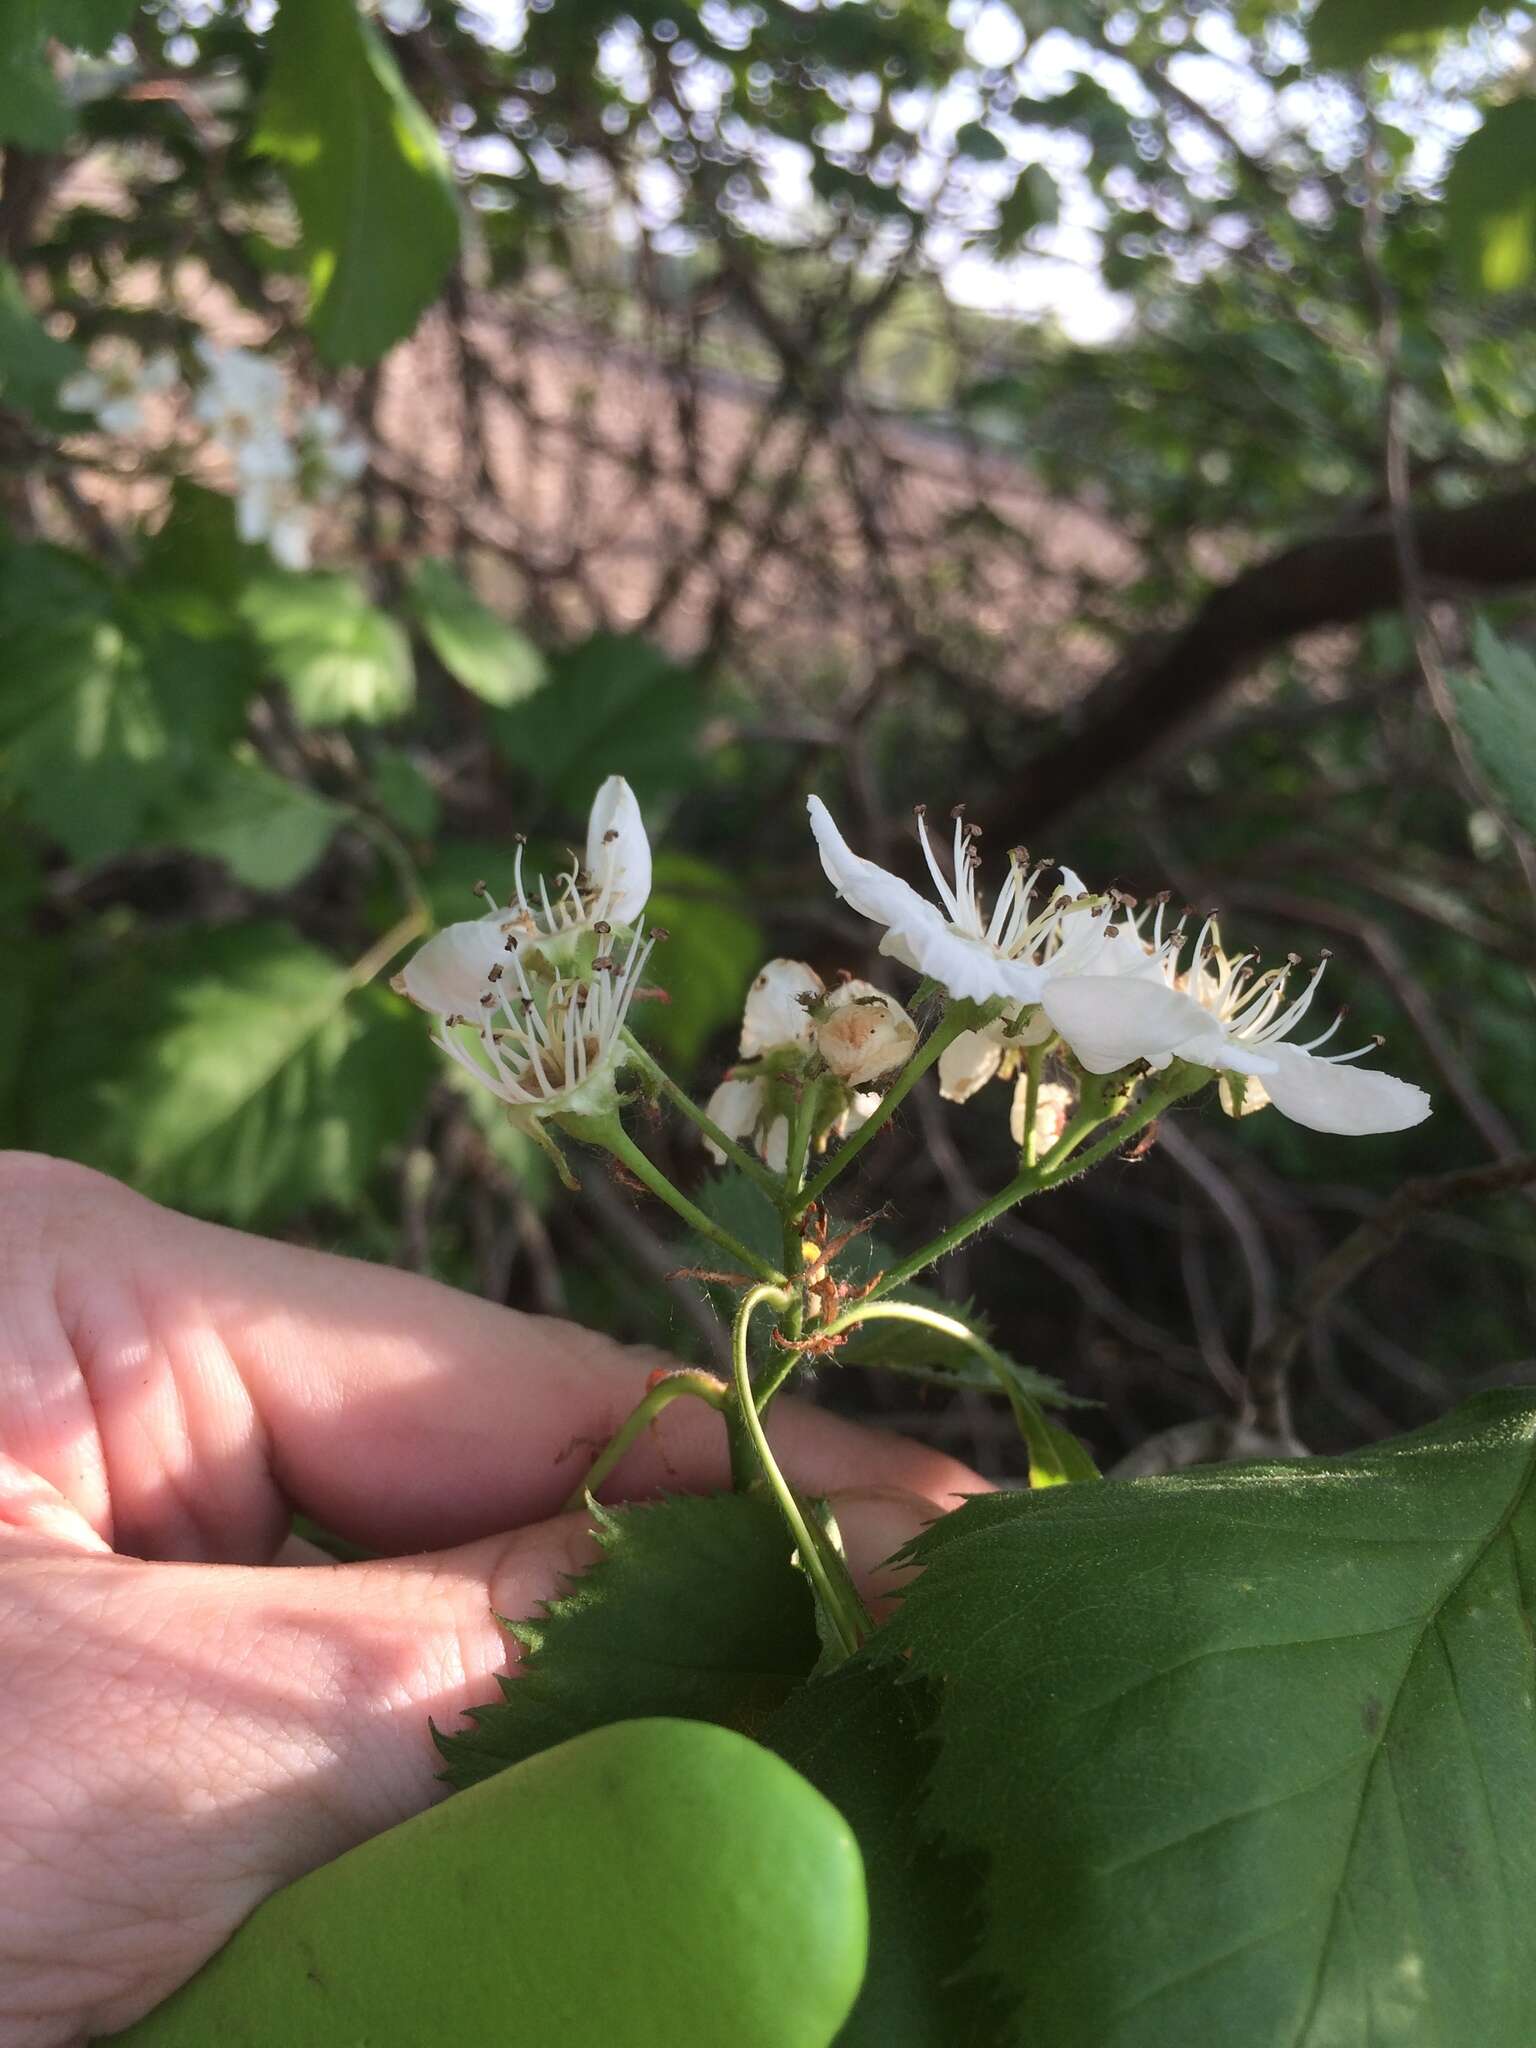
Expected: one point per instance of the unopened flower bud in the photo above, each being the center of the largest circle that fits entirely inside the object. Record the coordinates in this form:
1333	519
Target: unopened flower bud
862	1034
1053	1110
775	1016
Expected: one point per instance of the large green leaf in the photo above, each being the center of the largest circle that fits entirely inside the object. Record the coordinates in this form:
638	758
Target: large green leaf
1344	33
83	24
1490	200
1497	708
374	192
267	830
1252	1749
340	656
479	650
694	1609
863	1737
33	112
238	1075
613	706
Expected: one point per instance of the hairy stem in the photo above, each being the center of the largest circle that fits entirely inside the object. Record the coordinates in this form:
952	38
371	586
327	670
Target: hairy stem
700	1385
681	1099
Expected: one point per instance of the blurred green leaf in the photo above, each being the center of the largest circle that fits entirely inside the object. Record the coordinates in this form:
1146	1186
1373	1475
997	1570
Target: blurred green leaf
613	706
339	655
479	650
267	830
32	363
1497	708
88	25
368	175
196	560
1342	34
980	144
693	1609
1490	200
1279	1750
713	948
404	792
1032	203
33	111
242	1077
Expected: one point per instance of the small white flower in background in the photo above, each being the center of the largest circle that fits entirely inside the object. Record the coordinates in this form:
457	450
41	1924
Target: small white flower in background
452	972
269	505
1219	1013
1013	953
775	1017
115	392
550	1047
242	395
862	1033
1054	1105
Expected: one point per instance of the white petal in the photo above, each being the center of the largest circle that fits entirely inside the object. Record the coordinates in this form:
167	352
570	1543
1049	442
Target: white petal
969	967
870	890
120	416
289	540
82	392
774	1017
1212	1048
618	852
775	1145
265	458
862	1105
735	1107
1110	1020
1351	1102
450	973
161	372
969	1062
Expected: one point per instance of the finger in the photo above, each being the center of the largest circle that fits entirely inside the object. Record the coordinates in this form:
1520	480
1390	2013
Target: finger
218	1730
182	1386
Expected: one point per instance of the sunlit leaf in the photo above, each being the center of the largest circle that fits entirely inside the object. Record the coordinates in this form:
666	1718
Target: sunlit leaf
479	650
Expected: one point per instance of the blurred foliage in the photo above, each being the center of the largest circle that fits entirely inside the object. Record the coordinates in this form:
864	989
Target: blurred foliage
234	793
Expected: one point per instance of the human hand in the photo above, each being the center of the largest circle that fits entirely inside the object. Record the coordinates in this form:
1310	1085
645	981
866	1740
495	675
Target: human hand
186	1727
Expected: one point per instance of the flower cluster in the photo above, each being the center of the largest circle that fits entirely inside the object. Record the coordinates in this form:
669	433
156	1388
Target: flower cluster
1114	987
281	477
531	998
795	1032
288	461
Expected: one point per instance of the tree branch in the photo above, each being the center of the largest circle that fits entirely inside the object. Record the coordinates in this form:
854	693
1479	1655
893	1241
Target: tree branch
1334	580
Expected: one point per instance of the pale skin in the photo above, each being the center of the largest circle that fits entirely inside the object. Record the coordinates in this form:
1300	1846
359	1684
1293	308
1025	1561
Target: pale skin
193	1711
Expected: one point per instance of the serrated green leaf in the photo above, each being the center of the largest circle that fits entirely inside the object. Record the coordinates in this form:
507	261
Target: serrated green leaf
863	1737
373	188
33	364
1490	201
1497	709
241	1077
714	947
613	706
693	1610
1251	1748
1342	34
338	654
485	654
267	830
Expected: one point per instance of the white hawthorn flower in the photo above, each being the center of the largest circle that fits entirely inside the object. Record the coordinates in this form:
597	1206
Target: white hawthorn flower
774	1017
550	1047
1012	954
242	397
270	507
114	393
862	1033
1218	1013
450	974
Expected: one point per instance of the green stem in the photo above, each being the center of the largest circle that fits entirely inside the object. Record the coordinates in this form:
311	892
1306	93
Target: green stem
957	1018
681	1099
839	1601
1046	1466
1058	1165
1034	1063
608	1132
698	1384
